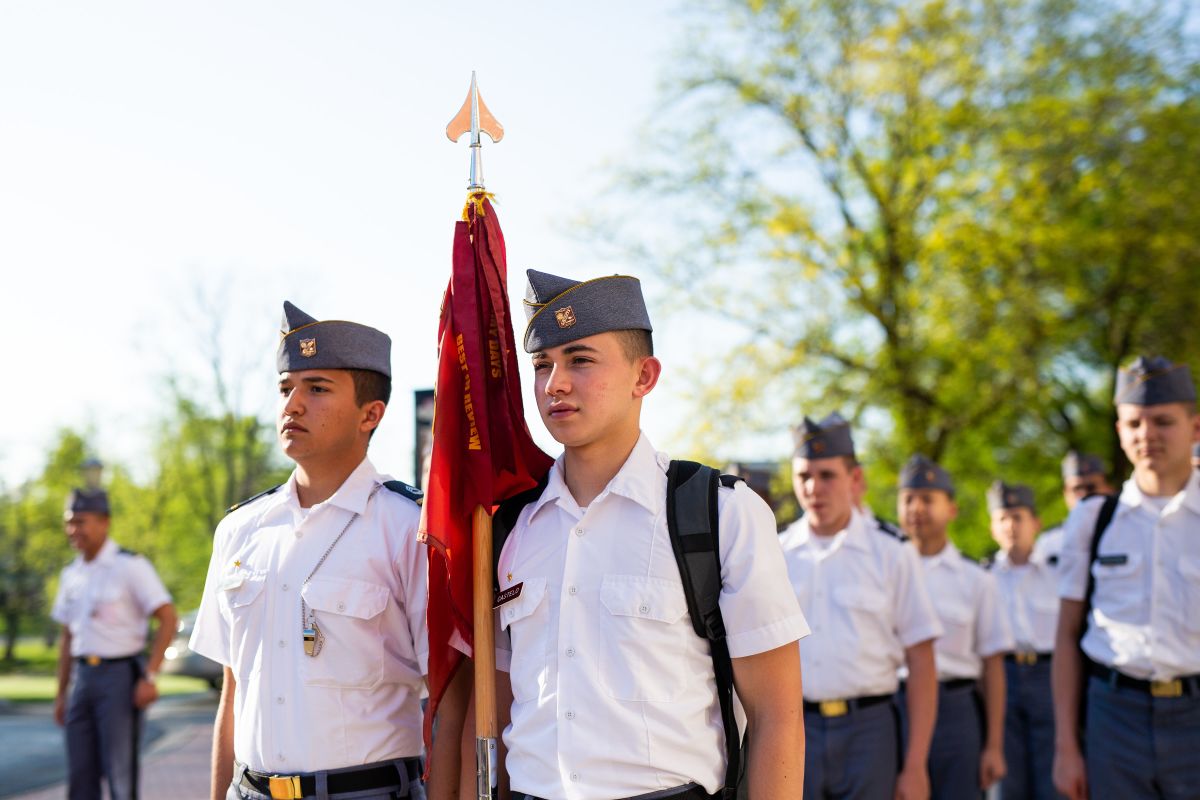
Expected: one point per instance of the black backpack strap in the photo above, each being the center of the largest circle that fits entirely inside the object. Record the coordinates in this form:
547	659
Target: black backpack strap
505	519
1102	522
693	526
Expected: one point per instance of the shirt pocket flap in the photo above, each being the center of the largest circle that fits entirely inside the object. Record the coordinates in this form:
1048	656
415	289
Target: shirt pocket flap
345	596
1115	565
1044	602
865	598
643	597
524	604
242	587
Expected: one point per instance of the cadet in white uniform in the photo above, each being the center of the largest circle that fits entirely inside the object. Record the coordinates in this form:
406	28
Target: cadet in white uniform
315	595
613	691
105	596
1026	570
967	754
863	593
1140	628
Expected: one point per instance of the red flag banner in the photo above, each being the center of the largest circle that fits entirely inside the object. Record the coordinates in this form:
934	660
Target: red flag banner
482	450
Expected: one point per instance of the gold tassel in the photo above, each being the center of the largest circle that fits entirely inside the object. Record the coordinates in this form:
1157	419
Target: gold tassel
476	199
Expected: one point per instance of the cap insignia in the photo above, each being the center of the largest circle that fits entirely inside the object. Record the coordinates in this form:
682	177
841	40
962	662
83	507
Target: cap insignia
818	447
308	347
930	475
565	317
1011	497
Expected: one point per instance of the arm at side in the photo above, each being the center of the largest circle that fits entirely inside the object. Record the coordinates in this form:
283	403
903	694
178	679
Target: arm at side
769	686
222	747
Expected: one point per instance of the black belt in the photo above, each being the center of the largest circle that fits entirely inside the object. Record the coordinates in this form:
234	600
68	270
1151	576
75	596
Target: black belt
294	787
1027	659
93	661
1183	686
692	792
957	683
840	708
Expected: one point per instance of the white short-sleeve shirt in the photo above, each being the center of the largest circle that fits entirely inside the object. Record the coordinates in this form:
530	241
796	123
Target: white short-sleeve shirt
968	604
1144	618
1029	594
614	693
106	602
864	596
358	701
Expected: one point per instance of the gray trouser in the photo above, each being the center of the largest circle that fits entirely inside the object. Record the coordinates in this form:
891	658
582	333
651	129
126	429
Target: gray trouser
1141	746
854	756
1028	732
957	744
415	791
102	730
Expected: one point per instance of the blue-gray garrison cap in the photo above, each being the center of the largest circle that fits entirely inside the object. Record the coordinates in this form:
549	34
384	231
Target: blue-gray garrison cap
1002	495
825	439
561	310
1153	381
309	343
1078	465
922	473
81	500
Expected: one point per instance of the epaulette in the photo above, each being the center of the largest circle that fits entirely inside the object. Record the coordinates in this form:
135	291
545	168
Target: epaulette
250	500
976	561
404	490
890	529
124	552
987	562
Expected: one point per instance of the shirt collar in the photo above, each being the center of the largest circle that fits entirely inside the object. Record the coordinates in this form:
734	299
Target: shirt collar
637	480
356	490
107	552
855	536
1132	496
949	556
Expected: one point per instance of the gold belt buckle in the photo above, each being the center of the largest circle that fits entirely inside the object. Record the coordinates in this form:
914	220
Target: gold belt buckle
93	661
1166	688
285	787
834	708
1027	659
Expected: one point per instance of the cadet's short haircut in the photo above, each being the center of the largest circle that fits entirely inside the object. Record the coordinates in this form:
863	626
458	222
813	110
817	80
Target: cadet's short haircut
851	462
636	343
370	386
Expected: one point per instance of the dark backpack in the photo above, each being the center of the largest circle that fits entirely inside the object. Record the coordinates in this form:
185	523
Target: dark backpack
692	525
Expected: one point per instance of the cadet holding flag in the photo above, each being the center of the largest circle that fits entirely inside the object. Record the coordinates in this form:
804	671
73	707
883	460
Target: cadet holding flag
315	595
864	593
967	754
1027	575
614	693
1130	589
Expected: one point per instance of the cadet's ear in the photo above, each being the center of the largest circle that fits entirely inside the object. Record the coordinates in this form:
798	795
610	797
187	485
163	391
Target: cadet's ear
953	510
372	415
648	373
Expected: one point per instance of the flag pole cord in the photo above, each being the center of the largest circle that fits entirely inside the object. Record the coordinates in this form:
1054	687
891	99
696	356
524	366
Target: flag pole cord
485	659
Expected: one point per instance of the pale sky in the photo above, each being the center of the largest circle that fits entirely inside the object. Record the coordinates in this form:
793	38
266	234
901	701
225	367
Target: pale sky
285	150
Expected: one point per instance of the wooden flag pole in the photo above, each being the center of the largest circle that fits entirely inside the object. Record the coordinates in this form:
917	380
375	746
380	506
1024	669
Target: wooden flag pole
485	658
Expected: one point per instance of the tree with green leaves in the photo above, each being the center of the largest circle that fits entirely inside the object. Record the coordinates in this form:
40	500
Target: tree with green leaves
950	220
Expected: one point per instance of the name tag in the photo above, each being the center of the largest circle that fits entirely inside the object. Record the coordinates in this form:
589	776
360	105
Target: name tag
511	593
1113	560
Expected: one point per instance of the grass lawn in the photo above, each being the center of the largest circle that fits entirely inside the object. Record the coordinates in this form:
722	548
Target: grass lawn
40	688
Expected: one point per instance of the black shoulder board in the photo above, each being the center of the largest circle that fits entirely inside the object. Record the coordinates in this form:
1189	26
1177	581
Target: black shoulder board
890	529
404	490
974	561
124	552
250	500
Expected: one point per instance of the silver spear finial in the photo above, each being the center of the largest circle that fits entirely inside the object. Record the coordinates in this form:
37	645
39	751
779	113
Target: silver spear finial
475	118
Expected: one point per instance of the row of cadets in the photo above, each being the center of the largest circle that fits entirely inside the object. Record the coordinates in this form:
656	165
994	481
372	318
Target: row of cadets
864	596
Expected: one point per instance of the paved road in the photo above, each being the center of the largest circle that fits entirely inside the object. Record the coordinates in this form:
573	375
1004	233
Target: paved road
175	750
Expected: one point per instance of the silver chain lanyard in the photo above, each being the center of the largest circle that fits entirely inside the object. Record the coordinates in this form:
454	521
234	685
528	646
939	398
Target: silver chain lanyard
314	640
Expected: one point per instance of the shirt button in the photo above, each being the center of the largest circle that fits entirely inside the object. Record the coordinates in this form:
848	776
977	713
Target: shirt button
570	654
341	606
284	587
572	590
574	776
643	609
282	643
279	700
579	531
281	758
571	715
